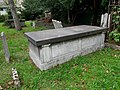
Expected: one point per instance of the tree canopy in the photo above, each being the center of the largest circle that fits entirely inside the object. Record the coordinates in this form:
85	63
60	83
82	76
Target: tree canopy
66	9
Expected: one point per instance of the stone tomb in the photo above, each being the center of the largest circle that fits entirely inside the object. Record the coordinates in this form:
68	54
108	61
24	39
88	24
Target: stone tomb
56	46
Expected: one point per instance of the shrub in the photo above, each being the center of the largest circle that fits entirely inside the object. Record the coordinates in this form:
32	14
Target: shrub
10	23
115	34
2	18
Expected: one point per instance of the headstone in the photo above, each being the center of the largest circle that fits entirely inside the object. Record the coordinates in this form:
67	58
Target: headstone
102	20
109	21
105	20
5	47
33	24
57	24
15	77
48	14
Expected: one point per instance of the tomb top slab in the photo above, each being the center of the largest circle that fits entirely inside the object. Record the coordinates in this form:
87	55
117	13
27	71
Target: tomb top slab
56	35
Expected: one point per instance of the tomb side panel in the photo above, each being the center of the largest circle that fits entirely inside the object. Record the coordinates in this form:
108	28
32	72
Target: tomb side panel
34	52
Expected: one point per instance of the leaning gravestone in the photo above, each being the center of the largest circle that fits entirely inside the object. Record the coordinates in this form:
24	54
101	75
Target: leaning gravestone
105	20
57	24
5	47
102	20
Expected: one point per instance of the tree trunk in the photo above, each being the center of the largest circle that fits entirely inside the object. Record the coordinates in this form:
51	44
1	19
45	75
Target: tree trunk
68	16
14	14
96	7
94	22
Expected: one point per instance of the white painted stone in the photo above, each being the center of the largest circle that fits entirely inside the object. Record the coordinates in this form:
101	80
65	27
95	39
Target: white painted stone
34	49
109	21
64	47
45	52
35	54
57	24
89	41
55	50
15	77
105	20
102	39
33	24
102	20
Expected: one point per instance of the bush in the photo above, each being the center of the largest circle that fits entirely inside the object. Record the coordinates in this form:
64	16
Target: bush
10	23
2	18
115	34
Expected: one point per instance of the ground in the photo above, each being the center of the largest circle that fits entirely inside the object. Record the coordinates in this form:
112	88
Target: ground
96	71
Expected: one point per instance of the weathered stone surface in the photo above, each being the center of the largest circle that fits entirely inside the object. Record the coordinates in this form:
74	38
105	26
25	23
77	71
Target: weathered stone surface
51	47
5	47
56	35
109	21
57	24
105	20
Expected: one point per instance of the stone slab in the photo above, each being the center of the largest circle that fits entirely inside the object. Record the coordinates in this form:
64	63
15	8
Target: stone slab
56	35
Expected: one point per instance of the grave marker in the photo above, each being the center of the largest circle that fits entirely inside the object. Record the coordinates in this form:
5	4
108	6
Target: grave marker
33	24
109	21
57	24
5	47
105	20
102	20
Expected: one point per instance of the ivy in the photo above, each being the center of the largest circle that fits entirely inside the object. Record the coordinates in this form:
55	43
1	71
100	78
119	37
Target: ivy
115	34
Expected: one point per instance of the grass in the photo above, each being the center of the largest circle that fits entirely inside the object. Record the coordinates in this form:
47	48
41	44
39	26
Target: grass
96	71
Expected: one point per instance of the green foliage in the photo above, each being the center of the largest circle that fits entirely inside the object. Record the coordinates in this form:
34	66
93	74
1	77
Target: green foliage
104	3
64	9
32	5
50	4
99	70
2	18
32	9
116	18
10	23
68	4
115	34
104	6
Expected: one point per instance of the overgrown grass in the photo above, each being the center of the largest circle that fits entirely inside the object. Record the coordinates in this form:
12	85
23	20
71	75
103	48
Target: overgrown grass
96	71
